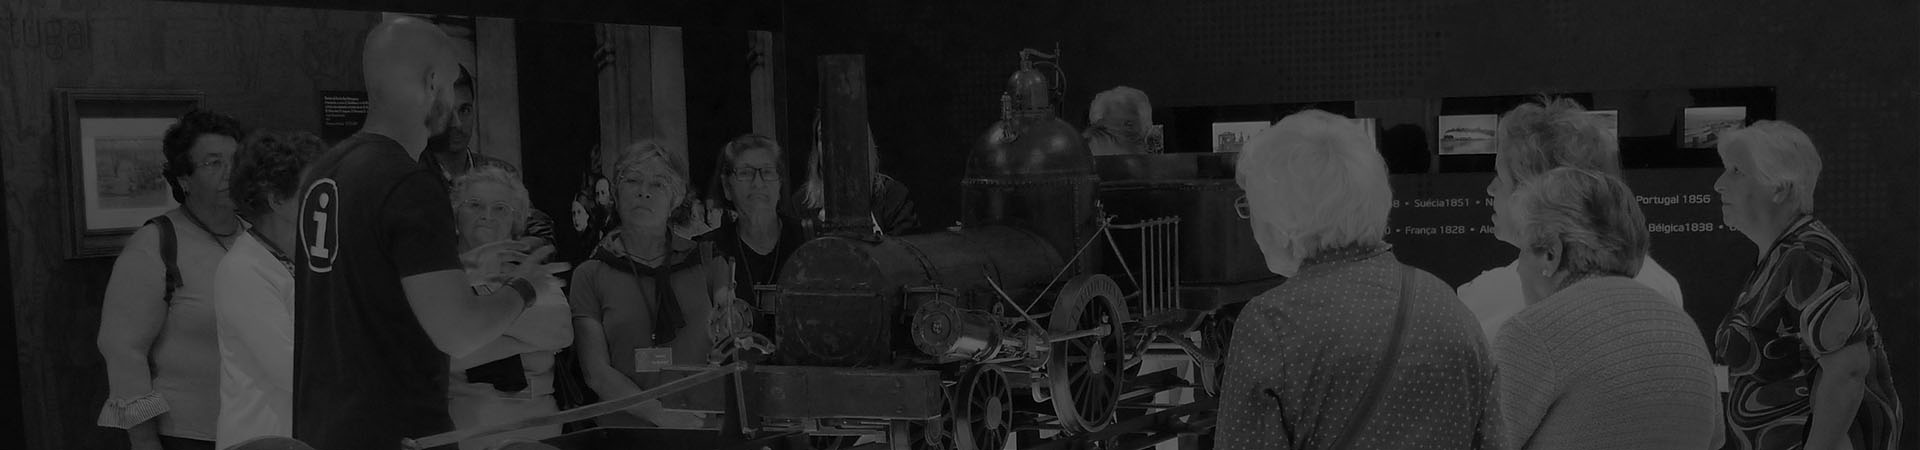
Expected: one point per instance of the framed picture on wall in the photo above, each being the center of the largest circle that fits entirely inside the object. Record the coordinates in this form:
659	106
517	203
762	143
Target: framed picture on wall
1610	120
1467	134
113	176
1701	127
1371	127
1229	136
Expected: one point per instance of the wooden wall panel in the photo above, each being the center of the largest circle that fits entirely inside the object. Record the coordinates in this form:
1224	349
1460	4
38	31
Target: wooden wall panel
262	65
646	77
499	91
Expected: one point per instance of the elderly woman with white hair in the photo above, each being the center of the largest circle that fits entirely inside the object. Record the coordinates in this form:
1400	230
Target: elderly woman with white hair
1119	122
1355	349
1596	360
1807	367
1533	139
510	378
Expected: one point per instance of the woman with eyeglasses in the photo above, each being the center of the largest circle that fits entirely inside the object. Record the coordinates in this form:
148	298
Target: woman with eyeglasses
748	183
157	329
510	378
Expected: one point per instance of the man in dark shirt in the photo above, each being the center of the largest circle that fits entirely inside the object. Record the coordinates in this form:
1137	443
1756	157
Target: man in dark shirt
451	154
382	298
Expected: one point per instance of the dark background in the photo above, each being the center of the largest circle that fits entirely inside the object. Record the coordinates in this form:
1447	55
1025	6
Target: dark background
1845	71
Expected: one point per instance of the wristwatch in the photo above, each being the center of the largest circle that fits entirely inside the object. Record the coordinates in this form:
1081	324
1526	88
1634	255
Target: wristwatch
527	292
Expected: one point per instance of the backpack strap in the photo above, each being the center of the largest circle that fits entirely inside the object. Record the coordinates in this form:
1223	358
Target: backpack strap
169	253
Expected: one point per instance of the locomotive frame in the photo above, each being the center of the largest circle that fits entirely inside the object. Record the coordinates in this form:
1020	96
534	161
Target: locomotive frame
964	338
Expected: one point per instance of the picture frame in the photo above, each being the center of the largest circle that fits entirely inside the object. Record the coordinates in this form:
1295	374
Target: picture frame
1372	128
1229	136
110	140
1701	126
1467	134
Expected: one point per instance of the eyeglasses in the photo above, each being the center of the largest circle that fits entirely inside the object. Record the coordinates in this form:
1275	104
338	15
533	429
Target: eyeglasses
749	173
212	164
495	209
1240	207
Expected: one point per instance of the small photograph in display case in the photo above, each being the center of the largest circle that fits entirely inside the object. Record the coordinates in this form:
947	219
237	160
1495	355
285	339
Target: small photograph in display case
1229	136
1471	134
1703	125
1157	139
1371	127
1610	120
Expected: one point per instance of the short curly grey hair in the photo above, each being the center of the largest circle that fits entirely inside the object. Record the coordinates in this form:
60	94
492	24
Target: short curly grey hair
1329	188
1548	133
522	202
1590	215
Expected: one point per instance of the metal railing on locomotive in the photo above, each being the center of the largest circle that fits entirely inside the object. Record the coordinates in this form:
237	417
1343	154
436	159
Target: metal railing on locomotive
576	414
1079	357
1165	317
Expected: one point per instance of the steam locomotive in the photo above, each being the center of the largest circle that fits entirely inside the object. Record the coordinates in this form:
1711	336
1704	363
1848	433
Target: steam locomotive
1014	320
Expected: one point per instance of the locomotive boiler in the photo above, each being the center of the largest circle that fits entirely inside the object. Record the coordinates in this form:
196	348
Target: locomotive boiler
1005	301
1004	323
1010	322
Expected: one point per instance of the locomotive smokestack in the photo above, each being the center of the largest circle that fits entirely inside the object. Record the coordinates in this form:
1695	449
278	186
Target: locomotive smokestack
846	161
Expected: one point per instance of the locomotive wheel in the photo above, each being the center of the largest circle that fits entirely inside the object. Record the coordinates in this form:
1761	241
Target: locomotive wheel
982	410
1086	375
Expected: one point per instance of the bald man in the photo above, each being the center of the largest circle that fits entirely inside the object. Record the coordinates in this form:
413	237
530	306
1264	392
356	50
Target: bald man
382	298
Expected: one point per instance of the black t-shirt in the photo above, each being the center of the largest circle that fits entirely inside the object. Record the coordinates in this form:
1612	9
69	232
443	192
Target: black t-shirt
366	374
751	267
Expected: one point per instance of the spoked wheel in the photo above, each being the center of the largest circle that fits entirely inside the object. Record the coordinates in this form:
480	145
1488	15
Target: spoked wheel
1086	374
982	409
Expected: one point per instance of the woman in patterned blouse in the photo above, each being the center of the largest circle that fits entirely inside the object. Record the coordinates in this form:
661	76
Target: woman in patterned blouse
1807	367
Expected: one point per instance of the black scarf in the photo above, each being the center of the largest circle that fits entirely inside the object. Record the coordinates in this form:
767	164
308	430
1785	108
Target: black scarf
668	319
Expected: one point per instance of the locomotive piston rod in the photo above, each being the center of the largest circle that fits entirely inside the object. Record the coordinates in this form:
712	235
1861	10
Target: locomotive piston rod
943	330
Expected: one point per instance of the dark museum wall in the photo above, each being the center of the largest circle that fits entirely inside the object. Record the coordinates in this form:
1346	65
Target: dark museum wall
261	65
1846	72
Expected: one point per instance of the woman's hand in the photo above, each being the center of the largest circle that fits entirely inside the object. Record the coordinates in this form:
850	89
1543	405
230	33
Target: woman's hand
509	261
145	436
492	258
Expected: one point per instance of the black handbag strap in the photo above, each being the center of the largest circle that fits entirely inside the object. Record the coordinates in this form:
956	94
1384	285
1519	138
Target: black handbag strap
169	253
1388	361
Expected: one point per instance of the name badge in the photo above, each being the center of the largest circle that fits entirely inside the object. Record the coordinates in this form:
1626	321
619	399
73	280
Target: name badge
649	360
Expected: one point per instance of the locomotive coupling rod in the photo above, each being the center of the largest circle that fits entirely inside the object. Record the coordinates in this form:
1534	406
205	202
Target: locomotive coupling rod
1101	332
576	414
